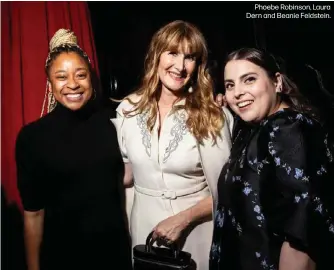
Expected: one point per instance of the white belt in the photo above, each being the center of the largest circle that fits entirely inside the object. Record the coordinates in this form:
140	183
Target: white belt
170	194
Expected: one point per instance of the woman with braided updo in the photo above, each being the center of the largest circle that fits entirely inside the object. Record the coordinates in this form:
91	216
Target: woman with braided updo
70	171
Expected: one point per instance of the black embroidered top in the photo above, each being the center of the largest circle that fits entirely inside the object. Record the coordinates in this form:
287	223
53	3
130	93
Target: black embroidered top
276	187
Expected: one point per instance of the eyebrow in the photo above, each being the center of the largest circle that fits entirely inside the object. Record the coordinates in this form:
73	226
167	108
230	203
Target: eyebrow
190	54
78	69
242	76
185	54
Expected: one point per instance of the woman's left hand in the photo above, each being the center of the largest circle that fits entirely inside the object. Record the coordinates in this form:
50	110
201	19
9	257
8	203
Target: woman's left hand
170	229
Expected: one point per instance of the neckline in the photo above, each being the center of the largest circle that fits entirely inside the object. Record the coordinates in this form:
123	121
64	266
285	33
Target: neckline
265	120
81	114
287	110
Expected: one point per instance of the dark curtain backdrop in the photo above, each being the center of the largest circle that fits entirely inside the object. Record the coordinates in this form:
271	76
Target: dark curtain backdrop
26	28
123	30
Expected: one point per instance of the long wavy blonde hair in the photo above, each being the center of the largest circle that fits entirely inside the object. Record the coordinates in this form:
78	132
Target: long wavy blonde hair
204	116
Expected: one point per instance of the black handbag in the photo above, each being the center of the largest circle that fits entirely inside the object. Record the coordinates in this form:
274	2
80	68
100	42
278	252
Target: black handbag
149	257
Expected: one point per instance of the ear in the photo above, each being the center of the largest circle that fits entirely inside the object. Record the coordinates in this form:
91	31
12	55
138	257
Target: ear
278	82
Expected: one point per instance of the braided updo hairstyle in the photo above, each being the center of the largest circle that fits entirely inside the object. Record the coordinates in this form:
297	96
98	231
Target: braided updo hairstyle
63	40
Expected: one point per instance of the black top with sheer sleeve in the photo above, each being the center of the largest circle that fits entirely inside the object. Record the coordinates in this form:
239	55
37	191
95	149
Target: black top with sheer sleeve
277	186
69	164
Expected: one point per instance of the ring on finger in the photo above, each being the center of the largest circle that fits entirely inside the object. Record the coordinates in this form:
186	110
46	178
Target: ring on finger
169	242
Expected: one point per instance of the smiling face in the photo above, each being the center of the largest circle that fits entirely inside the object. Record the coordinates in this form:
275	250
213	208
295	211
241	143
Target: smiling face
175	69
250	92
70	80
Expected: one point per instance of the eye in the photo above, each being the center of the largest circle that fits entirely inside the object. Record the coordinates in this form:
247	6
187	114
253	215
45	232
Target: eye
61	77
191	57
250	80
82	75
173	53
228	86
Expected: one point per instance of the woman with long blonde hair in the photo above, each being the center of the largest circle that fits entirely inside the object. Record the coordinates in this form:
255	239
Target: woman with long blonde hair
174	140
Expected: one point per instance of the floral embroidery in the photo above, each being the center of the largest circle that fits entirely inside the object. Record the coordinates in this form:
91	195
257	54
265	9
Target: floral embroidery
319	208
303	118
216	246
257	211
178	131
298	173
264	261
215	252
146	139
322	170
254	162
236	178
234	222
236	137
242	158
328	151
246	188
259	164
219	218
301	196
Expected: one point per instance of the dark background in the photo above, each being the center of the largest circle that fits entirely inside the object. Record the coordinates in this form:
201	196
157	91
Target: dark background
123	31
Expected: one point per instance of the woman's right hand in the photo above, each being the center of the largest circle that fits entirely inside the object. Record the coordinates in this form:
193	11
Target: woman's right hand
221	100
170	229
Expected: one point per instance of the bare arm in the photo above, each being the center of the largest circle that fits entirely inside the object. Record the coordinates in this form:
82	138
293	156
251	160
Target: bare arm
198	212
292	259
33	232
171	228
128	175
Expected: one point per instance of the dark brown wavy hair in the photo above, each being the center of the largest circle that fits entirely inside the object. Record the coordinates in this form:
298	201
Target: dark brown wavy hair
290	93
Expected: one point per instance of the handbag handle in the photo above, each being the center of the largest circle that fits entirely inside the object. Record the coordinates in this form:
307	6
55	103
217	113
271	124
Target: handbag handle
149	242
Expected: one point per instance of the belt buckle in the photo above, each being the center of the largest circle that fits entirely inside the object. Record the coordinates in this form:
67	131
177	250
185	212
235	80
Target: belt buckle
169	194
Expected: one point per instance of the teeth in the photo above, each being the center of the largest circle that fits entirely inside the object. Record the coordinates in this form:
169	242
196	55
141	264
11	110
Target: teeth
244	103
175	75
73	95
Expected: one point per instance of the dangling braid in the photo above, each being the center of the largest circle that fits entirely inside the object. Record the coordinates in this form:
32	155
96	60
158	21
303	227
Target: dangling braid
63	40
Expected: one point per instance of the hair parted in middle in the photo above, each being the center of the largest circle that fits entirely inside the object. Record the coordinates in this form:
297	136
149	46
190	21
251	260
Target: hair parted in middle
204	116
